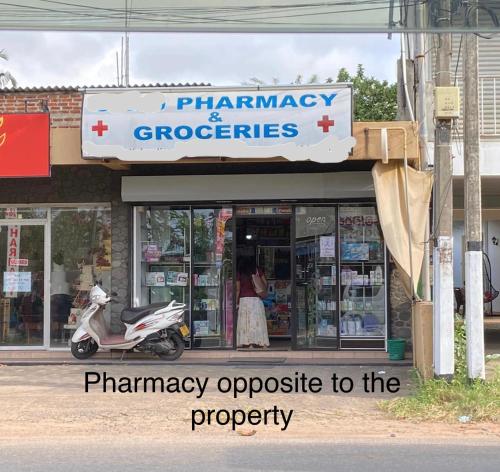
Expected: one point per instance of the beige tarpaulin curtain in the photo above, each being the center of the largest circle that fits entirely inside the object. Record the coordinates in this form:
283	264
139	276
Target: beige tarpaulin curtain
389	180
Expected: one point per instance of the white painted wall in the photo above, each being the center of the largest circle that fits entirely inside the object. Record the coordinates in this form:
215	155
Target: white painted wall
458	252
493	230
489	156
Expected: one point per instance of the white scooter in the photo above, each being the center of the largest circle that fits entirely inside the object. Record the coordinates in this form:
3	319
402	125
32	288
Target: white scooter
158	328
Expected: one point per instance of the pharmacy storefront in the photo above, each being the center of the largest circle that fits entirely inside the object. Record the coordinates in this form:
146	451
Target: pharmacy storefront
315	235
324	262
158	193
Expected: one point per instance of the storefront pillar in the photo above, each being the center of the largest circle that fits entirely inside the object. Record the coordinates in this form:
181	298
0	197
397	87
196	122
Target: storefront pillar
400	309
120	255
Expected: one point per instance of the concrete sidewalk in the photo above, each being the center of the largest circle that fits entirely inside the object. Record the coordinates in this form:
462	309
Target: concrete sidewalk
206	357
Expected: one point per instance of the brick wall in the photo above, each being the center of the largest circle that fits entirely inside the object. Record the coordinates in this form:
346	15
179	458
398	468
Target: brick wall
65	107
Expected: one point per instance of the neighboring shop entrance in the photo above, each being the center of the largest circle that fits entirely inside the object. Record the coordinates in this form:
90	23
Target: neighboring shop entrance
50	257
325	264
23	284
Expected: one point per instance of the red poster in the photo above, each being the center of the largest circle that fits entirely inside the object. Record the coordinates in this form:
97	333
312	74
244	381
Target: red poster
24	145
224	215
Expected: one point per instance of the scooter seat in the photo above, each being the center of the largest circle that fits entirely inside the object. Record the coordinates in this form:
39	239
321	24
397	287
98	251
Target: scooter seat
132	315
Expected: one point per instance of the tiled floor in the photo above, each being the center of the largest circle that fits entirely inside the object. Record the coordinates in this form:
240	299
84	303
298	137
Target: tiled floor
210	357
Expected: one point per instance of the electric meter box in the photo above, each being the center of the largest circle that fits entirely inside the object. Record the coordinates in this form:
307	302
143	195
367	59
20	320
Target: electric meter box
446	102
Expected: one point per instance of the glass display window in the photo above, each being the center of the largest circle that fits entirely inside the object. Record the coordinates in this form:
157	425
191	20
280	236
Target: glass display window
163	256
316	276
212	311
81	256
362	274
185	254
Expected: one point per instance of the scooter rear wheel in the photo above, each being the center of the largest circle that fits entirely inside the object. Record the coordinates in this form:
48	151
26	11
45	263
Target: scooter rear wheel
175	353
84	349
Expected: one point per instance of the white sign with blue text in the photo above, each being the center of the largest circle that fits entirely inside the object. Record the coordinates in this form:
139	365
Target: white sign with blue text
297	123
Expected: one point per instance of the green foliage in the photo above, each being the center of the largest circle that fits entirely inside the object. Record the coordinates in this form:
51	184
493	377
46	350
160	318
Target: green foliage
460	351
439	400
374	100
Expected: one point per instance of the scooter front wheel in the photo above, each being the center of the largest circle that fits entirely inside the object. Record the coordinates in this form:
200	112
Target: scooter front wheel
84	349
174	353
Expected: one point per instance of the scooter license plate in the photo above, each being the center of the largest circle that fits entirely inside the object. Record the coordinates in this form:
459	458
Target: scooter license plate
184	330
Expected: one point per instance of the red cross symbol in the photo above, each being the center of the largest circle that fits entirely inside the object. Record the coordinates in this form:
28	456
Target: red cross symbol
100	127
325	123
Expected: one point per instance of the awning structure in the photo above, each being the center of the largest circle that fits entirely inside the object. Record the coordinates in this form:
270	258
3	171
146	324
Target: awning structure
241	16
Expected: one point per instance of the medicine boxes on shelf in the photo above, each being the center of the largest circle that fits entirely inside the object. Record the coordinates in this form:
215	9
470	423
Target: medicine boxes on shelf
351	277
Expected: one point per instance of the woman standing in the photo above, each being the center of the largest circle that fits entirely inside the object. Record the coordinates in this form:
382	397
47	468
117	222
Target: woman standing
252	324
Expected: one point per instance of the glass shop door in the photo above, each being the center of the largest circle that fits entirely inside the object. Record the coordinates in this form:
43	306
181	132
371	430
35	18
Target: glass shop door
316	288
23	284
212	317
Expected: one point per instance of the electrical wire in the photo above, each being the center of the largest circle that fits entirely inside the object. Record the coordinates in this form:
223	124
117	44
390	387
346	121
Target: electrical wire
458	59
477	8
196	15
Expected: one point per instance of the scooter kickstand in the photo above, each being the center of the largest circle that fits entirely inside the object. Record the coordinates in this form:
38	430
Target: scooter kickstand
123	355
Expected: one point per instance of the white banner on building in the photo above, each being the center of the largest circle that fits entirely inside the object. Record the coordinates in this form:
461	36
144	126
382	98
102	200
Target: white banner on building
313	123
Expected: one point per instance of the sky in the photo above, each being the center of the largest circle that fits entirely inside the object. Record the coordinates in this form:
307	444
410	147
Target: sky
62	59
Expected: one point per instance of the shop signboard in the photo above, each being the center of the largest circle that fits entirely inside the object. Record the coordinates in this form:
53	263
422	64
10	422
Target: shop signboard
24	145
13	251
298	123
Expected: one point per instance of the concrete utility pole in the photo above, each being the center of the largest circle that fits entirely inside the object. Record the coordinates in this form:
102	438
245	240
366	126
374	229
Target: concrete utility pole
421	117
473	237
444	362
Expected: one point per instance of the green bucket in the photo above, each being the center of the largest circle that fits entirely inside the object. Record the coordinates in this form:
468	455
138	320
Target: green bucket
396	349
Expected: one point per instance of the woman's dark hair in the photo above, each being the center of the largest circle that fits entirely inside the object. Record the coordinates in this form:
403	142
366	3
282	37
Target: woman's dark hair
246	266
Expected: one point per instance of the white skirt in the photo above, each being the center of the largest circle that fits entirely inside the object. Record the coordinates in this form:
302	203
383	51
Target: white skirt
252	324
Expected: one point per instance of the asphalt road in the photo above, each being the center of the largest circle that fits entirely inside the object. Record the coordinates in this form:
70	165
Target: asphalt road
245	454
